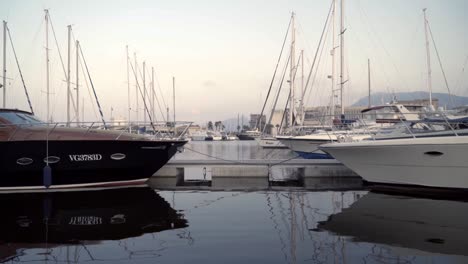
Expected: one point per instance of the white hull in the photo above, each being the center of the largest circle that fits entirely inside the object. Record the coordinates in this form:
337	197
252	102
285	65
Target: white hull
430	162
199	138
307	143
270	143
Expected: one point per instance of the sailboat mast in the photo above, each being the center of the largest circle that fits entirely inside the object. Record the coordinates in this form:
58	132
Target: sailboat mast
68	75
152	92
78	82
369	82
428	56
173	99
47	62
128	88
332	110
342	56
136	86
4	62
144	91
301	107
291	71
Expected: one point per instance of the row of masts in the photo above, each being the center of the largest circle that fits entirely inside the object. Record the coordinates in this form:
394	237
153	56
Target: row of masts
70	96
292	73
300	116
342	79
145	94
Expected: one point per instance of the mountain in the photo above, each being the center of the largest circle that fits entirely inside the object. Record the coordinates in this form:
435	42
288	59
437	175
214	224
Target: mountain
380	97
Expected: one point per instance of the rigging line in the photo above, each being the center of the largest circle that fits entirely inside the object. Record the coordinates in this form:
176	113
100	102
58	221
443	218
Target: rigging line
57	45
318	60
235	161
440	64
94	90
145	92
19	69
460	77
157	100
144	101
274	73
380	65
151	93
61	59
89	90
284	112
160	91
318	48
278	93
294	78
287	101
383	47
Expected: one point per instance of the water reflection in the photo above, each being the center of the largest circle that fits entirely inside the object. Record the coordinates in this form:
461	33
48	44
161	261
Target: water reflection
66	225
432	226
287	225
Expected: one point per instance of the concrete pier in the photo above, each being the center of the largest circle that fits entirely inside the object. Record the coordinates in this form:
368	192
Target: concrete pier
258	174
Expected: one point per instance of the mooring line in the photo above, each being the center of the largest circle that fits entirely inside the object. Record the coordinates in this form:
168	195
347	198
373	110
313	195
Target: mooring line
239	162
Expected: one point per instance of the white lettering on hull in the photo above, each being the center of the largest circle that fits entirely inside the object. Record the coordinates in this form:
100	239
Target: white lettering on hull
85	157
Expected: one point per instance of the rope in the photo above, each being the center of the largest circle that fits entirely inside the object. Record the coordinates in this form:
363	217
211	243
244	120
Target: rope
214	157
239	162
157	100
61	59
440	64
19	69
318	48
94	90
277	94
144	101
286	160
274	74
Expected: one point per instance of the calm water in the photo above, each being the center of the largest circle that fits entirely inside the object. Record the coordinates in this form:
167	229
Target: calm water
141	225
230	151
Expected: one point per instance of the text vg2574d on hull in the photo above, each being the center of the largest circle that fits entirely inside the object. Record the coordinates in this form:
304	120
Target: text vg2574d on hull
77	157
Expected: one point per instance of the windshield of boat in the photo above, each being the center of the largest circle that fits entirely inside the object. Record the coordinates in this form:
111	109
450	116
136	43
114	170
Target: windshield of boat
20	118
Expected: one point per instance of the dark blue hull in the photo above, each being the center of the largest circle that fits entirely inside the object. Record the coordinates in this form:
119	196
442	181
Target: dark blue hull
314	155
82	162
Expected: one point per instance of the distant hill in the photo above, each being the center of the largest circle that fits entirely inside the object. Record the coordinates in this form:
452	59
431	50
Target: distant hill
444	100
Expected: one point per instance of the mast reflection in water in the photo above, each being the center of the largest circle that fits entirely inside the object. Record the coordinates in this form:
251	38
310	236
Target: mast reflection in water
63	226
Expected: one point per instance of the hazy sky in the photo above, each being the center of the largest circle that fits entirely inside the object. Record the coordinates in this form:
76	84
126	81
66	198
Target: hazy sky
223	53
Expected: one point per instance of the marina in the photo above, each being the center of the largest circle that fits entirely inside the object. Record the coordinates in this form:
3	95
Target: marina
234	132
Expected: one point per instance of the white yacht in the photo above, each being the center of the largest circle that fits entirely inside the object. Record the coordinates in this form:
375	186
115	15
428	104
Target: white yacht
307	146
270	142
199	136
428	161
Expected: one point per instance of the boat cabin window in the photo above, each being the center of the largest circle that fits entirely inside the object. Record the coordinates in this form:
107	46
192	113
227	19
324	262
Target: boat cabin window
20	118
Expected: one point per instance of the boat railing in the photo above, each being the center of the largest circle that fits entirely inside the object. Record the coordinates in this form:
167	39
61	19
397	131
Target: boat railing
160	131
386	123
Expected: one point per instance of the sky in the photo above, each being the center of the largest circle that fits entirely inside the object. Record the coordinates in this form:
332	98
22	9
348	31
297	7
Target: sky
223	53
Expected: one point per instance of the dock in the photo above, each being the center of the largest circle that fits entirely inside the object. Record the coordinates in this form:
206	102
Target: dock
256	174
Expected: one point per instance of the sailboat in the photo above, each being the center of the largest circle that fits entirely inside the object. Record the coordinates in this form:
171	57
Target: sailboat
307	145
415	161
